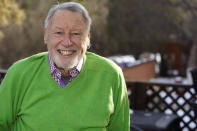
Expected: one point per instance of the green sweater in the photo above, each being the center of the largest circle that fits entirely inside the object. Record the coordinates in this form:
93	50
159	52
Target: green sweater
96	100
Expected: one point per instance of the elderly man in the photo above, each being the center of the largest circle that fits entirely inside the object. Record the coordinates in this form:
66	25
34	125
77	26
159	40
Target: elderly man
66	88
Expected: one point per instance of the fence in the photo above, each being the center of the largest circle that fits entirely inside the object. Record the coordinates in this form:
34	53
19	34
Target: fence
167	98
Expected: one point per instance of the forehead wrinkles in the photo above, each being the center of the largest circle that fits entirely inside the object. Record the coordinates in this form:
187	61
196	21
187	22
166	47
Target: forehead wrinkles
66	18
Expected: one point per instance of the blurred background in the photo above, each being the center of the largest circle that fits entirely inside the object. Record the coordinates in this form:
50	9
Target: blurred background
154	41
167	28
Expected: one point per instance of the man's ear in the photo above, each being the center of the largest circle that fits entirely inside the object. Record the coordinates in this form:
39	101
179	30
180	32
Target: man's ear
88	42
45	36
89	35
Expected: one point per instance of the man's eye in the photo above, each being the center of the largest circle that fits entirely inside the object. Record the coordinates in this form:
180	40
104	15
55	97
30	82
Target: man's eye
76	33
58	33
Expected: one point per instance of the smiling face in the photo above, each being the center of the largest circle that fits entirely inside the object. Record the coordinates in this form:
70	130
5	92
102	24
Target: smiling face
67	38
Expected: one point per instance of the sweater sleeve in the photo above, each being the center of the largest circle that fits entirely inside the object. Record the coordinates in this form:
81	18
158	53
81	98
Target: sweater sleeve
7	111
120	119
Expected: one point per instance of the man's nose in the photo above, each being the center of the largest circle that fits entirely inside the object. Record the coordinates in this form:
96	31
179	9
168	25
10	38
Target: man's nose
66	41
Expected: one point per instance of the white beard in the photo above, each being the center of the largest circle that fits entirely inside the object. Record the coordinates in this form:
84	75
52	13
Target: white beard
73	62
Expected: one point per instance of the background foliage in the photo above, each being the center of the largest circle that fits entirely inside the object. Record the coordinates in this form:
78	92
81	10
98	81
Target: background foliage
119	27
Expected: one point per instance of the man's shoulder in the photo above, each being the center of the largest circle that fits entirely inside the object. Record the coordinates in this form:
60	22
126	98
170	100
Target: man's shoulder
97	62
29	62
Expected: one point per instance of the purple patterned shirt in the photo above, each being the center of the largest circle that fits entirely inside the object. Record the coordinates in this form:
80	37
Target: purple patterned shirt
57	75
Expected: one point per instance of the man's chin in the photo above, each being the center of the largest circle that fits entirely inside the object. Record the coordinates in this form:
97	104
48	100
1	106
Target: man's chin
67	64
67	67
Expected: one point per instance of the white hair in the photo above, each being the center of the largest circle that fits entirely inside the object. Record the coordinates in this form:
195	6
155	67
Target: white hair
71	6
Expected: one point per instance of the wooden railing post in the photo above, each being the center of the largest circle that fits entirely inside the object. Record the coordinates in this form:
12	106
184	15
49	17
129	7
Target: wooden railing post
138	96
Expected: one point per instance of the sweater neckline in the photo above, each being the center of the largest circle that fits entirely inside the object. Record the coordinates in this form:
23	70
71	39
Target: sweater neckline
73	82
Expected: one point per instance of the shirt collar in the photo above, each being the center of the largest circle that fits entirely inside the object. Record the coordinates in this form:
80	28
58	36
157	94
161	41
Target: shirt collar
79	66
